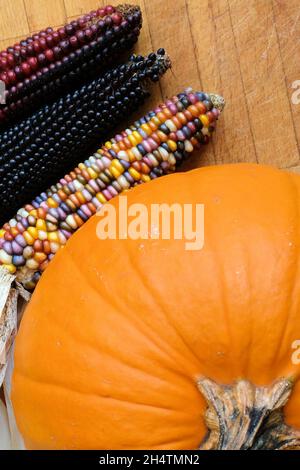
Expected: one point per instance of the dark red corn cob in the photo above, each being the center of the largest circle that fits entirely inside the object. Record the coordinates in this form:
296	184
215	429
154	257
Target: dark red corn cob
14	55
42	147
31	45
76	32
80	50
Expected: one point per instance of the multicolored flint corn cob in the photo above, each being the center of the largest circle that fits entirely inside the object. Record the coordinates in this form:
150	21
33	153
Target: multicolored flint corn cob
155	145
38	150
47	63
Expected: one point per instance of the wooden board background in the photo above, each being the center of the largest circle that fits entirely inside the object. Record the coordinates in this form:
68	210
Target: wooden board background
247	50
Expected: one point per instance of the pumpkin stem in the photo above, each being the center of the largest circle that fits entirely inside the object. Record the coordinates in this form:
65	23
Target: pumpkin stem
243	416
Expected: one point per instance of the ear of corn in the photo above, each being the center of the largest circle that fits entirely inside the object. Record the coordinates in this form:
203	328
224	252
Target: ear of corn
153	146
46	64
41	148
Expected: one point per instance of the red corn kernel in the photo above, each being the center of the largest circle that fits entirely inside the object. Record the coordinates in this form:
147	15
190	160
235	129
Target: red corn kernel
26	69
55	37
109	9
73	41
43	43
3	63
117	18
49	54
101	12
62	33
3	77
11	76
36	46
33	63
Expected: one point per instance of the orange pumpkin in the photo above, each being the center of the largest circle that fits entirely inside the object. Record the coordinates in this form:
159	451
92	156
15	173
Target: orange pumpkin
143	344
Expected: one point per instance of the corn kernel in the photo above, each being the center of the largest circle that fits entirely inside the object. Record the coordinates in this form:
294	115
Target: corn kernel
204	119
53	237
146	128
33	232
132	140
11	268
29	239
41	224
137	136
101	198
172	145
135	174
52	203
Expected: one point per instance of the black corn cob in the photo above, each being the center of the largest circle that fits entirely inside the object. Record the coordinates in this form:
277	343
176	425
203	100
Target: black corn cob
78	51
43	147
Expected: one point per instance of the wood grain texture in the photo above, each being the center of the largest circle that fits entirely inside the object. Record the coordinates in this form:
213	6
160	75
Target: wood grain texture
246	50
77	7
40	16
13	19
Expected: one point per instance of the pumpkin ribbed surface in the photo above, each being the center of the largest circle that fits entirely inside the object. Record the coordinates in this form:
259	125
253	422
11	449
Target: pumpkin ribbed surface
118	331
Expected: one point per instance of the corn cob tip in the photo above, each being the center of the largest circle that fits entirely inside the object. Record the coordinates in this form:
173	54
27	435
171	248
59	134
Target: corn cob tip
159	62
218	101
163	61
128	10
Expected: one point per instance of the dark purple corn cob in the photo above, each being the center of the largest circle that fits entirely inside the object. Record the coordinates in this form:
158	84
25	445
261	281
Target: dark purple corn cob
44	65
43	147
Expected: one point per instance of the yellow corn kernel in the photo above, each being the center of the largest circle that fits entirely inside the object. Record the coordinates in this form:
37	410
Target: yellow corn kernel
29	239
156	121
114	172
101	198
108	145
145	178
138	136
2	233
204	119
146	129
33	232
135	174
117	165
33	212
52	203
53	237
132	140
11	268
82	166
92	173
172	145
41	224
